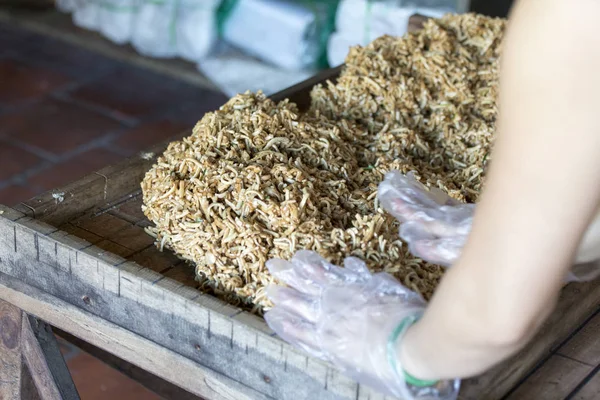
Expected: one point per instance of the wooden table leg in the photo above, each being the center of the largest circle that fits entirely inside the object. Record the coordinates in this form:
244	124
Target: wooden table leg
31	365
45	361
10	352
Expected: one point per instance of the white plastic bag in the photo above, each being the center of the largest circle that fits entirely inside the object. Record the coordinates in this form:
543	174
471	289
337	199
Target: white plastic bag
154	29
291	35
338	47
369	19
359	22
116	19
169	28
236	72
196	28
87	15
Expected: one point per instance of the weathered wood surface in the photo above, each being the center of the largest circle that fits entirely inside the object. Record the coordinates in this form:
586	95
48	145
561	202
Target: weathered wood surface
300	93
28	389
557	377
584	346
101	188
162	388
577	303
31	365
45	363
99	288
572	372
590	390
10	351
144	353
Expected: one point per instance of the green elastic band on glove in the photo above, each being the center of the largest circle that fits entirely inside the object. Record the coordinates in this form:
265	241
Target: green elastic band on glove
391	353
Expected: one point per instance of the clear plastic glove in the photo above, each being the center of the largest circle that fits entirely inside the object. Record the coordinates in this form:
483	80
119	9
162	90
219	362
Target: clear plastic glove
436	227
351	318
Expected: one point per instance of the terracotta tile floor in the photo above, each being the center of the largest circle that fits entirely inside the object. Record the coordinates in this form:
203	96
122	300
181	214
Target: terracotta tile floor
66	112
97	381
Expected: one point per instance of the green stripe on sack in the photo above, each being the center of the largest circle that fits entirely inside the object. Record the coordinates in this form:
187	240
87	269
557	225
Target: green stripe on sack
223	13
327	27
117	8
367	31
325	19
173	24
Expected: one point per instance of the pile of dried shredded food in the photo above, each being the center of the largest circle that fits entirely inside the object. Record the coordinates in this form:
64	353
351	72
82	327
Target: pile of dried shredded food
258	180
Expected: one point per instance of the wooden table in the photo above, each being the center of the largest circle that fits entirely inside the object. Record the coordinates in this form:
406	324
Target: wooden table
78	259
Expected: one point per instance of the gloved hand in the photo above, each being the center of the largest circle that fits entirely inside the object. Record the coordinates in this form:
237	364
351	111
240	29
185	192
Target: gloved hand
351	318
436	227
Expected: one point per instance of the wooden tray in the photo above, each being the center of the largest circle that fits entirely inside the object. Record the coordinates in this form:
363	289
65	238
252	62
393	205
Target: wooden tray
78	258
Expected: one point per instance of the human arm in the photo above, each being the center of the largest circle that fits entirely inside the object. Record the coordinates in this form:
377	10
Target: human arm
541	192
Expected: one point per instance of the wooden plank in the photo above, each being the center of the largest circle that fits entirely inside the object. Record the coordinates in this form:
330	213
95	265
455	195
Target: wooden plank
103	225
415	22
183	273
553	381
10	213
88	236
576	304
28	389
93	192
132	237
300	93
131	210
152	382
137	350
113	248
585	345
10	351
45	362
590	390
156	260
166	313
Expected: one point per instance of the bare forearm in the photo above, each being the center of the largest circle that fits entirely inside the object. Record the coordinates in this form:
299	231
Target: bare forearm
542	190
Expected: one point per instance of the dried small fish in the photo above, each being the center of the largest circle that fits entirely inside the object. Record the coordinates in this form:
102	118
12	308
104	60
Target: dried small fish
258	180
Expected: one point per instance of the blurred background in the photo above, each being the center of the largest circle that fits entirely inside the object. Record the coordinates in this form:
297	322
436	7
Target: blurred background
86	83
